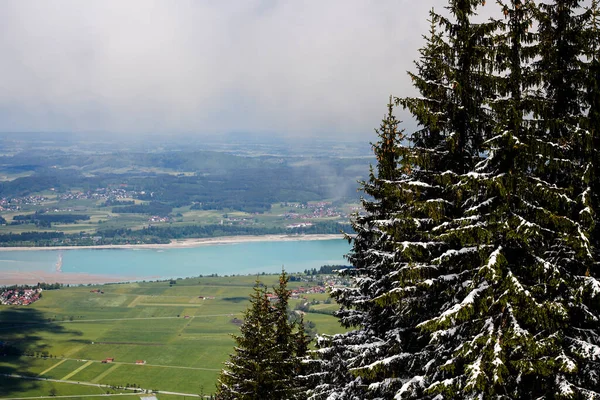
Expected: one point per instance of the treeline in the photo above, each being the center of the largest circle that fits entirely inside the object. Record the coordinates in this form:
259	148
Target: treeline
49	218
50	239
327	269
40	285
233	204
214	230
157	235
152	208
114	202
30	237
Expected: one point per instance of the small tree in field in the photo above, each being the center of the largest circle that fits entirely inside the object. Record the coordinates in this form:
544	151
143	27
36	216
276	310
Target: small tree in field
267	354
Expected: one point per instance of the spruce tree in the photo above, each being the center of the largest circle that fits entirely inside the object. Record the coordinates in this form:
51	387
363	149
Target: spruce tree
559	119
401	239
291	345
372	248
475	264
591	126
250	373
266	363
560	48
523	318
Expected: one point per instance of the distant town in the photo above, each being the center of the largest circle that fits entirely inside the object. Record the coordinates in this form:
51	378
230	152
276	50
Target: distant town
20	297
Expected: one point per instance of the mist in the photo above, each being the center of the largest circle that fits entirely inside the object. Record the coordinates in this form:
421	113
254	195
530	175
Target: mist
139	67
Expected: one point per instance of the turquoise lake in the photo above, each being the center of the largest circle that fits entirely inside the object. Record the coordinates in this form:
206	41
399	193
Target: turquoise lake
221	259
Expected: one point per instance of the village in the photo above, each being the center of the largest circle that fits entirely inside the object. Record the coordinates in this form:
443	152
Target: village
322	209
20	297
108	193
14	204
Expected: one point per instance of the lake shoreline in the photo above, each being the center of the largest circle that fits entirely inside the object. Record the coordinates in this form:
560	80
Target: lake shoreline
187	243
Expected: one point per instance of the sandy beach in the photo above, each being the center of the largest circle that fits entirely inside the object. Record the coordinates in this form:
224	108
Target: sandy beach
184	243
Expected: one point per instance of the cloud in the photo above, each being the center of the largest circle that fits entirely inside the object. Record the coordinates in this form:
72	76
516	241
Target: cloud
141	66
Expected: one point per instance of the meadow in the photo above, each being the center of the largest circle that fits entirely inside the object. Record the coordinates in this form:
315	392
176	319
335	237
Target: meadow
180	331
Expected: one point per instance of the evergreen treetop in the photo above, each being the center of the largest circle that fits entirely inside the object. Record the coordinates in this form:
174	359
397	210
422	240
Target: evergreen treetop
267	358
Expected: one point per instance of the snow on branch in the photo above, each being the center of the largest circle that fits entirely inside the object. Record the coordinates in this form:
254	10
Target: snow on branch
411	386
584	349
453	253
453	313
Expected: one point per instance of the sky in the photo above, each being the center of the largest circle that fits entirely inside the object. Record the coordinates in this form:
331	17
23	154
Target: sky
133	67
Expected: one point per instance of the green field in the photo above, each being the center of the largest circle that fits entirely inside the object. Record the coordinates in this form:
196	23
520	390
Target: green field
182	332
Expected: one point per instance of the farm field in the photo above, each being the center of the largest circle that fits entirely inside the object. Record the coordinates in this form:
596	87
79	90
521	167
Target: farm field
162	336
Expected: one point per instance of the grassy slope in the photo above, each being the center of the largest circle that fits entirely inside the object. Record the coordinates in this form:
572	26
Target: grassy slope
137	321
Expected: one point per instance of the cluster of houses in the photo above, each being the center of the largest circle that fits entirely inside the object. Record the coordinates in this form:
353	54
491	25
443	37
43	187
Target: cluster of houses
297	293
100	193
319	210
306	290
300	225
237	221
14	204
20	297
157	218
109	360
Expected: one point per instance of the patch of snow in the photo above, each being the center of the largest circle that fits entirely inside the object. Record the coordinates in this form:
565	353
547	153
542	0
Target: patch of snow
417	381
418	183
567	363
593	284
564	387
587	350
474	371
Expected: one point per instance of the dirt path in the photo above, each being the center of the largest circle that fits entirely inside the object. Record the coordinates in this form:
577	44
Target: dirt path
52	367
135	301
105	373
70	374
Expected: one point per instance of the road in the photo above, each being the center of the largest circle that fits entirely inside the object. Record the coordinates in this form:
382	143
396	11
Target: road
100	385
111	319
142	365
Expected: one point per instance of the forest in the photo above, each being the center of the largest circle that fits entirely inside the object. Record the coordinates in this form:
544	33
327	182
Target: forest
476	262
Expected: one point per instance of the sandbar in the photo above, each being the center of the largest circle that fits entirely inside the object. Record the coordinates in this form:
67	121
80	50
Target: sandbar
9	278
185	243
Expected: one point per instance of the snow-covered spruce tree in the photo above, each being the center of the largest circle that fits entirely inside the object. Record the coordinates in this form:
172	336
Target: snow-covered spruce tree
560	45
266	359
400	243
559	120
591	124
523	322
330	374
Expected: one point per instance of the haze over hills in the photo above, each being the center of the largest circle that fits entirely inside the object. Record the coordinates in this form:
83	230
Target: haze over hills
248	144
65	184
